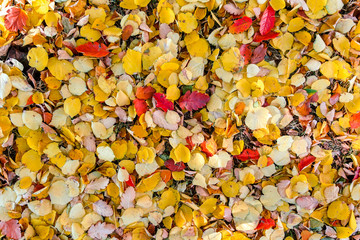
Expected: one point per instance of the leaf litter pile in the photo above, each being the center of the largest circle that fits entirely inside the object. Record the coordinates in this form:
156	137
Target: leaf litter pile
180	119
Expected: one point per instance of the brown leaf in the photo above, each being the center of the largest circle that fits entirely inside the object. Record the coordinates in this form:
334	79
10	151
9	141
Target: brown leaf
127	31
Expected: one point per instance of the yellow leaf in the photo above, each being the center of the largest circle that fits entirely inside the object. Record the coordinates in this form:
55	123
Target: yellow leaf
230	189
208	206
338	210
173	92
128	4
149	183
277	4
187	22
25	182
38	58
316	5
90	34
231	59
142	3
180	154
169	198
296	24
146	155
199	219
119	148
41	6
199	48
72	106
352	221
220	211
343	232
132	62
342	45
61	69
32	160
167	15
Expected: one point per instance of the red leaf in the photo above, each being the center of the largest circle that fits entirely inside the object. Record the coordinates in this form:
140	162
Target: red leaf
15	19
306	161
270	35
265	223
355	121
245	51
162	102
190	145
240	25
248	154
193	100
267	21
11	229
93	49
145	92
175	167
259	54
130	182
29	101
140	106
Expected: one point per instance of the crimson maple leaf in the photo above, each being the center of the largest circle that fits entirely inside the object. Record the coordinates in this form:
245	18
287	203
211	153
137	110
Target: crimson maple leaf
193	100
162	102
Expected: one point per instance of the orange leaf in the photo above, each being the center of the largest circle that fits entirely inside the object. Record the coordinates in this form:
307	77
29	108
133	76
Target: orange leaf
239	108
15	19
355	121
164	174
140	106
240	25
93	49
47	117
145	92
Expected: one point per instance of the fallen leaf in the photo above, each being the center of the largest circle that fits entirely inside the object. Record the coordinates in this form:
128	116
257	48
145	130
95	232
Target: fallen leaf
15	19
267	20
128	197
93	49
162	102
102	208
193	100
11	229
101	230
240	25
